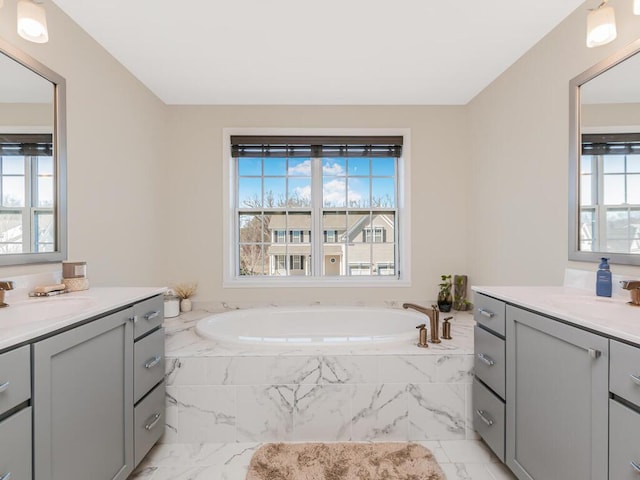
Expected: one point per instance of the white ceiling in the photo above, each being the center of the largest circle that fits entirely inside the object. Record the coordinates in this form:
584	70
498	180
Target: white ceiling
306	52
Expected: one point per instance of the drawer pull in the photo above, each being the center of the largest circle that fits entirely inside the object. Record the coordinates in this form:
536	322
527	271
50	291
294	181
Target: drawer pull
7	476
153	362
633	464
487	359
155	419
151	315
486	313
484	417
635	379
3	387
593	353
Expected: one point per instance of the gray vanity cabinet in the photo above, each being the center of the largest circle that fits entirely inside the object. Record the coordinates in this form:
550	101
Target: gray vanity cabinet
15	414
557	399
82	401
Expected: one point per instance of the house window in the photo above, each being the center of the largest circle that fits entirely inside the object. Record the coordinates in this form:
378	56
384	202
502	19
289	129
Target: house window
297	262
318	198
278	236
26	199
280	263
373	235
330	236
610	195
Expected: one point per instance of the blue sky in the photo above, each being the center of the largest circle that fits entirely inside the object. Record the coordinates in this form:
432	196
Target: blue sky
345	181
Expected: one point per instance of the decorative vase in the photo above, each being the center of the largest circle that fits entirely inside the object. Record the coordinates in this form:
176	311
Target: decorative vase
185	305
460	302
444	305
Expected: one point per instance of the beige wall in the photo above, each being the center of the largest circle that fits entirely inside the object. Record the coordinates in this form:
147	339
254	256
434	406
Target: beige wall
145	180
26	115
612	115
115	154
193	188
519	154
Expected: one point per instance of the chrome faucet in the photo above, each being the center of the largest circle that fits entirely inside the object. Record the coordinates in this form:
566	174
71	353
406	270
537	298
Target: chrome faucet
634	289
434	318
4	286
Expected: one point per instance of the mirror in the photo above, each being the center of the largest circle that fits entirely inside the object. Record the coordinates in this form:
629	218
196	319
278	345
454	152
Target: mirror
32	161
604	159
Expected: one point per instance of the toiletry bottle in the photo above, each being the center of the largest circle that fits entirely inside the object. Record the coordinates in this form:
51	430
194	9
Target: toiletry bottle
603	279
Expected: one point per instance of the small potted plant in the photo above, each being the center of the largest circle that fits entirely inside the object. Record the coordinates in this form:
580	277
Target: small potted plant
185	291
445	300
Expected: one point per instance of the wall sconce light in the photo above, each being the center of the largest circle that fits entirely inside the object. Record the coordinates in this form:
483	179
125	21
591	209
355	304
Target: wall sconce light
32	21
601	26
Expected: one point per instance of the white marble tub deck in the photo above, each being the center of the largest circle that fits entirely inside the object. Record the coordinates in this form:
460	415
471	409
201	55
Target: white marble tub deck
216	400
183	341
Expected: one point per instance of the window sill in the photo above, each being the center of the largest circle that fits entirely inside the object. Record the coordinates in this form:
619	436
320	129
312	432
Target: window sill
301	282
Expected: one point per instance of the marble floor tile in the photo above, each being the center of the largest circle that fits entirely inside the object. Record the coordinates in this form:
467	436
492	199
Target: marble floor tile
229	461
468	451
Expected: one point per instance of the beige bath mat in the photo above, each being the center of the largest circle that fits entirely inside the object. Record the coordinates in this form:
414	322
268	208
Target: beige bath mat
343	461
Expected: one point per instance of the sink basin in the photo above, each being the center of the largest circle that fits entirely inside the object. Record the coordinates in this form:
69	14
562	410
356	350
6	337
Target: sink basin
37	309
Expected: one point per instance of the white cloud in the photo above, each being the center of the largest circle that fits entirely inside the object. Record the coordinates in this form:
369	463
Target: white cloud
301	169
334	193
332	169
303	193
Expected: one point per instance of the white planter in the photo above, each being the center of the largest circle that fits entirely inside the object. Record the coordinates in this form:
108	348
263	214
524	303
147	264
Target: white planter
185	305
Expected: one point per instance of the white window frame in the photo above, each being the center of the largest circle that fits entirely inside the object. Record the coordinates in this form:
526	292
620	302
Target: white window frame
229	227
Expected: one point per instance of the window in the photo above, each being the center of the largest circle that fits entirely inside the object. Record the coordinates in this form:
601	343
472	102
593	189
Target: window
26	194
610	193
327	204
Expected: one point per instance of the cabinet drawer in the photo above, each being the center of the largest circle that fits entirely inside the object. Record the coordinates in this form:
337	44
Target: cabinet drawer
148	358
15	378
149	422
489	364
624	371
15	446
488	418
490	313
624	442
149	314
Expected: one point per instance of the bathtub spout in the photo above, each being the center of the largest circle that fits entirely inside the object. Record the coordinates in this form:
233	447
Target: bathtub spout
434	318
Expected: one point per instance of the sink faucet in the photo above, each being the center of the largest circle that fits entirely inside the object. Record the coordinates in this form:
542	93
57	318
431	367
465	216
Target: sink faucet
4	286
434	318
634	288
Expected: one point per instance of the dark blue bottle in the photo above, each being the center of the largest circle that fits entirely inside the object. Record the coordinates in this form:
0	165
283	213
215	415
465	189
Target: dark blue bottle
603	279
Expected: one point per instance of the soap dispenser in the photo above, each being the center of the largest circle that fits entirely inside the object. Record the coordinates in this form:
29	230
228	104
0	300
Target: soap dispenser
603	278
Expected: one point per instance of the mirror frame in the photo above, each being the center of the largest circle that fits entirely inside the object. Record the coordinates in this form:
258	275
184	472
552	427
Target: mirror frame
59	155
574	159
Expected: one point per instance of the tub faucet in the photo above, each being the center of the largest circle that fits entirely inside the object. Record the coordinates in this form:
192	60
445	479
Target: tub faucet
433	315
634	288
4	286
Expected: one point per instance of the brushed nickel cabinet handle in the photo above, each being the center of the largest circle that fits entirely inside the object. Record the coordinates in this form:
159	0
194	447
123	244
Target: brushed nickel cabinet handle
7	476
486	359
484	417
635	379
4	386
151	315
486	313
153	362
633	464
593	353
150	425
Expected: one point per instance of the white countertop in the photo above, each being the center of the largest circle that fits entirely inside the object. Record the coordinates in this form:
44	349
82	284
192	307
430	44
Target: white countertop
613	317
26	319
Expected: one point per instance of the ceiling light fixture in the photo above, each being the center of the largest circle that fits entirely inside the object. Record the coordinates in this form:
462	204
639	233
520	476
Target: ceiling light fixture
601	26
32	21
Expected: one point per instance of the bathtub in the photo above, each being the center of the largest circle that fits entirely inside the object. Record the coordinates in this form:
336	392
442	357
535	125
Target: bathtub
312	326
